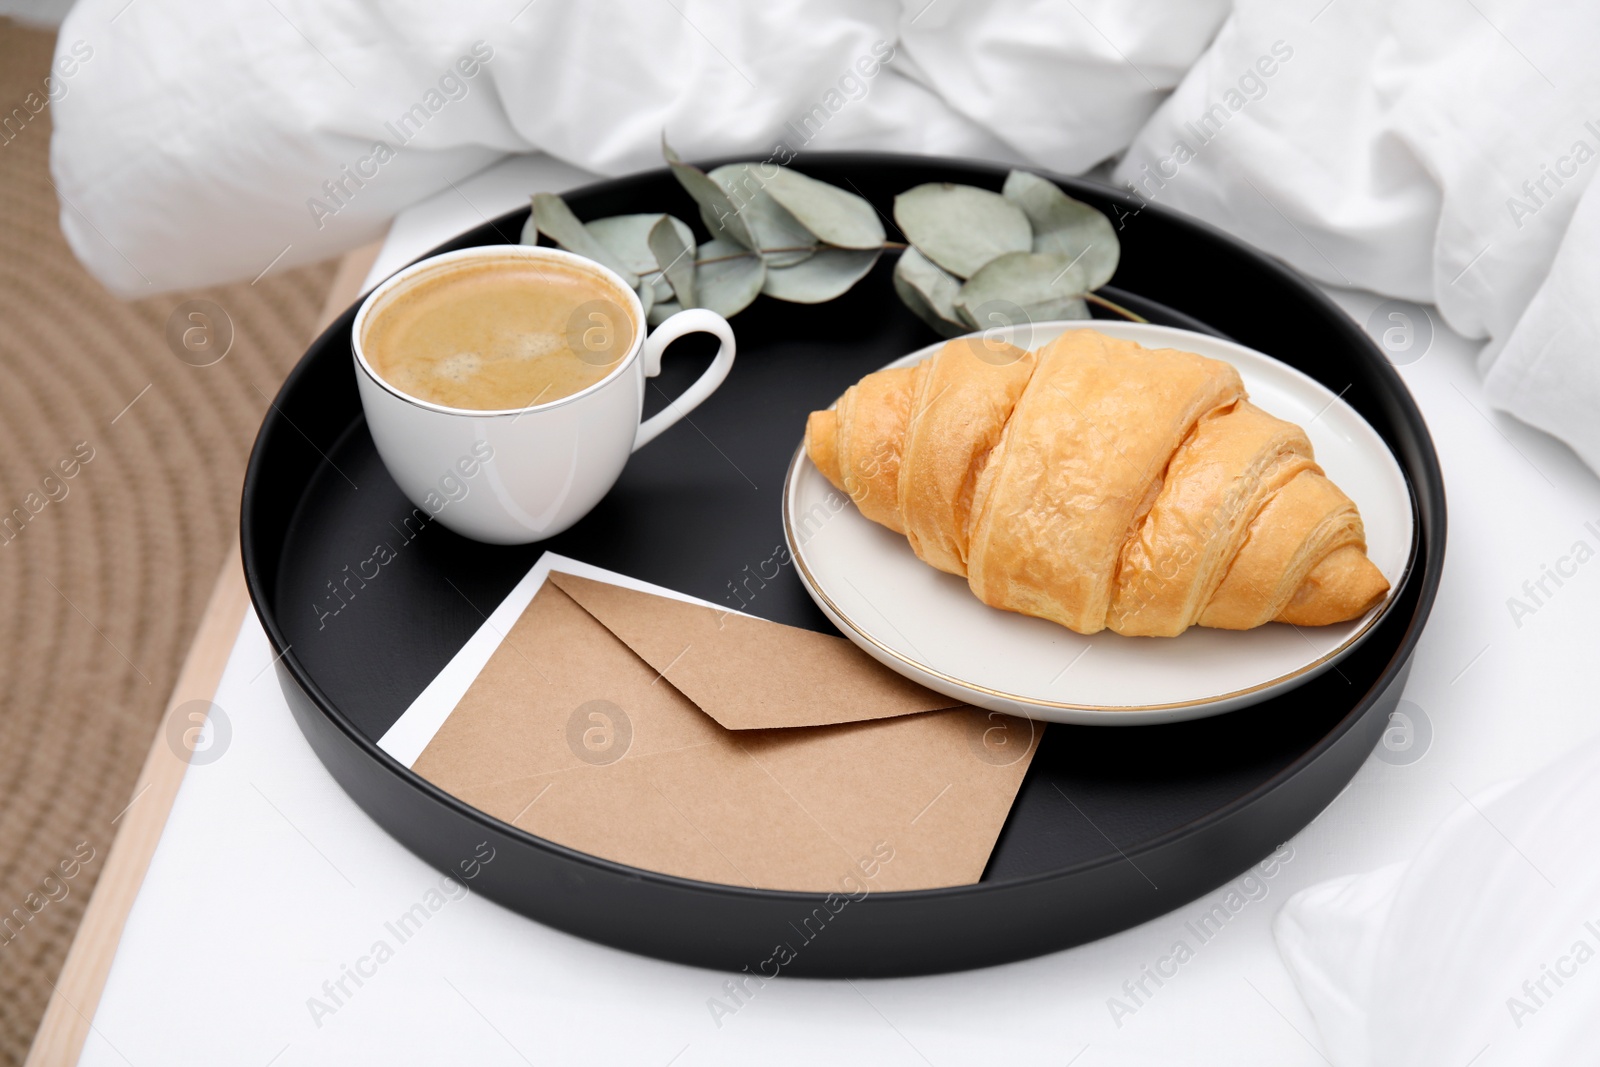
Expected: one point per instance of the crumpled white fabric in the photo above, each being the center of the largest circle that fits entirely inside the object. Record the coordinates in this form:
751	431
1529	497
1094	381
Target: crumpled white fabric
1435	150
189	148
1440	151
1483	949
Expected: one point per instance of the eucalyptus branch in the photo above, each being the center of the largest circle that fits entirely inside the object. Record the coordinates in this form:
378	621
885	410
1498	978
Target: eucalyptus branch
887	246
963	246
1111	305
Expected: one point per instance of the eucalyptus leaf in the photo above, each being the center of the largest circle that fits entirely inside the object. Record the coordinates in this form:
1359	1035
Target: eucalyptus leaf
730	284
768	221
839	218
553	218
676	259
662	312
790	256
961	227
1043	285
1062	224
824	276
929	291
628	238
721	215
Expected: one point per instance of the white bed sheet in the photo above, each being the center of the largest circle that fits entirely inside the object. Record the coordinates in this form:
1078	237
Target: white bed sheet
268	880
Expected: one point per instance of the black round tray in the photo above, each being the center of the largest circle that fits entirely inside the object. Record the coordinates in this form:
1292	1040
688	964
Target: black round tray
1111	826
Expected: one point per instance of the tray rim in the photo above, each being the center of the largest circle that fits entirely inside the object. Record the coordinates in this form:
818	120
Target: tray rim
1431	513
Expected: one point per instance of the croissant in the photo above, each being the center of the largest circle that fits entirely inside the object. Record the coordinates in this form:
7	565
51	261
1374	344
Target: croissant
1100	484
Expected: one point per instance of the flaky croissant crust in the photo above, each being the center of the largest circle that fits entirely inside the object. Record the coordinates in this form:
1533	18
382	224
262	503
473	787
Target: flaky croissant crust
1100	484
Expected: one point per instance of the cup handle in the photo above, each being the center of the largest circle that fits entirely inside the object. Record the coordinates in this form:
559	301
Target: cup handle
693	320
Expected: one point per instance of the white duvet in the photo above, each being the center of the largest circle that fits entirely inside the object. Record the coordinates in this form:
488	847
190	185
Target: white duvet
200	140
1436	150
1481	950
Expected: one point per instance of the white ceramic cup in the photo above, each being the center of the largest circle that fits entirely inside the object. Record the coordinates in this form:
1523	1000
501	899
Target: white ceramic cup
524	474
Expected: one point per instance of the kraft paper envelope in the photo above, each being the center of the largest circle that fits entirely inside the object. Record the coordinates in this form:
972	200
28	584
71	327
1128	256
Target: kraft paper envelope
748	673
579	731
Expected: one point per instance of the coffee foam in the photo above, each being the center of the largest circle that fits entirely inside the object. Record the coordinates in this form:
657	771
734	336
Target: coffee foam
498	334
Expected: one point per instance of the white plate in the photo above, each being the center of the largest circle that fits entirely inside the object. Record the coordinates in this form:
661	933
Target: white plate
928	626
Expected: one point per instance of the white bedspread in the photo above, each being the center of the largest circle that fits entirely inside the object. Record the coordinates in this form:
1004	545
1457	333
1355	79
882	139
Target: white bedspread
192	148
1436	150
1480	950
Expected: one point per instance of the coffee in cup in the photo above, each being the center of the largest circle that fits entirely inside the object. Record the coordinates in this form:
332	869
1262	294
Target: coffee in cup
498	334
